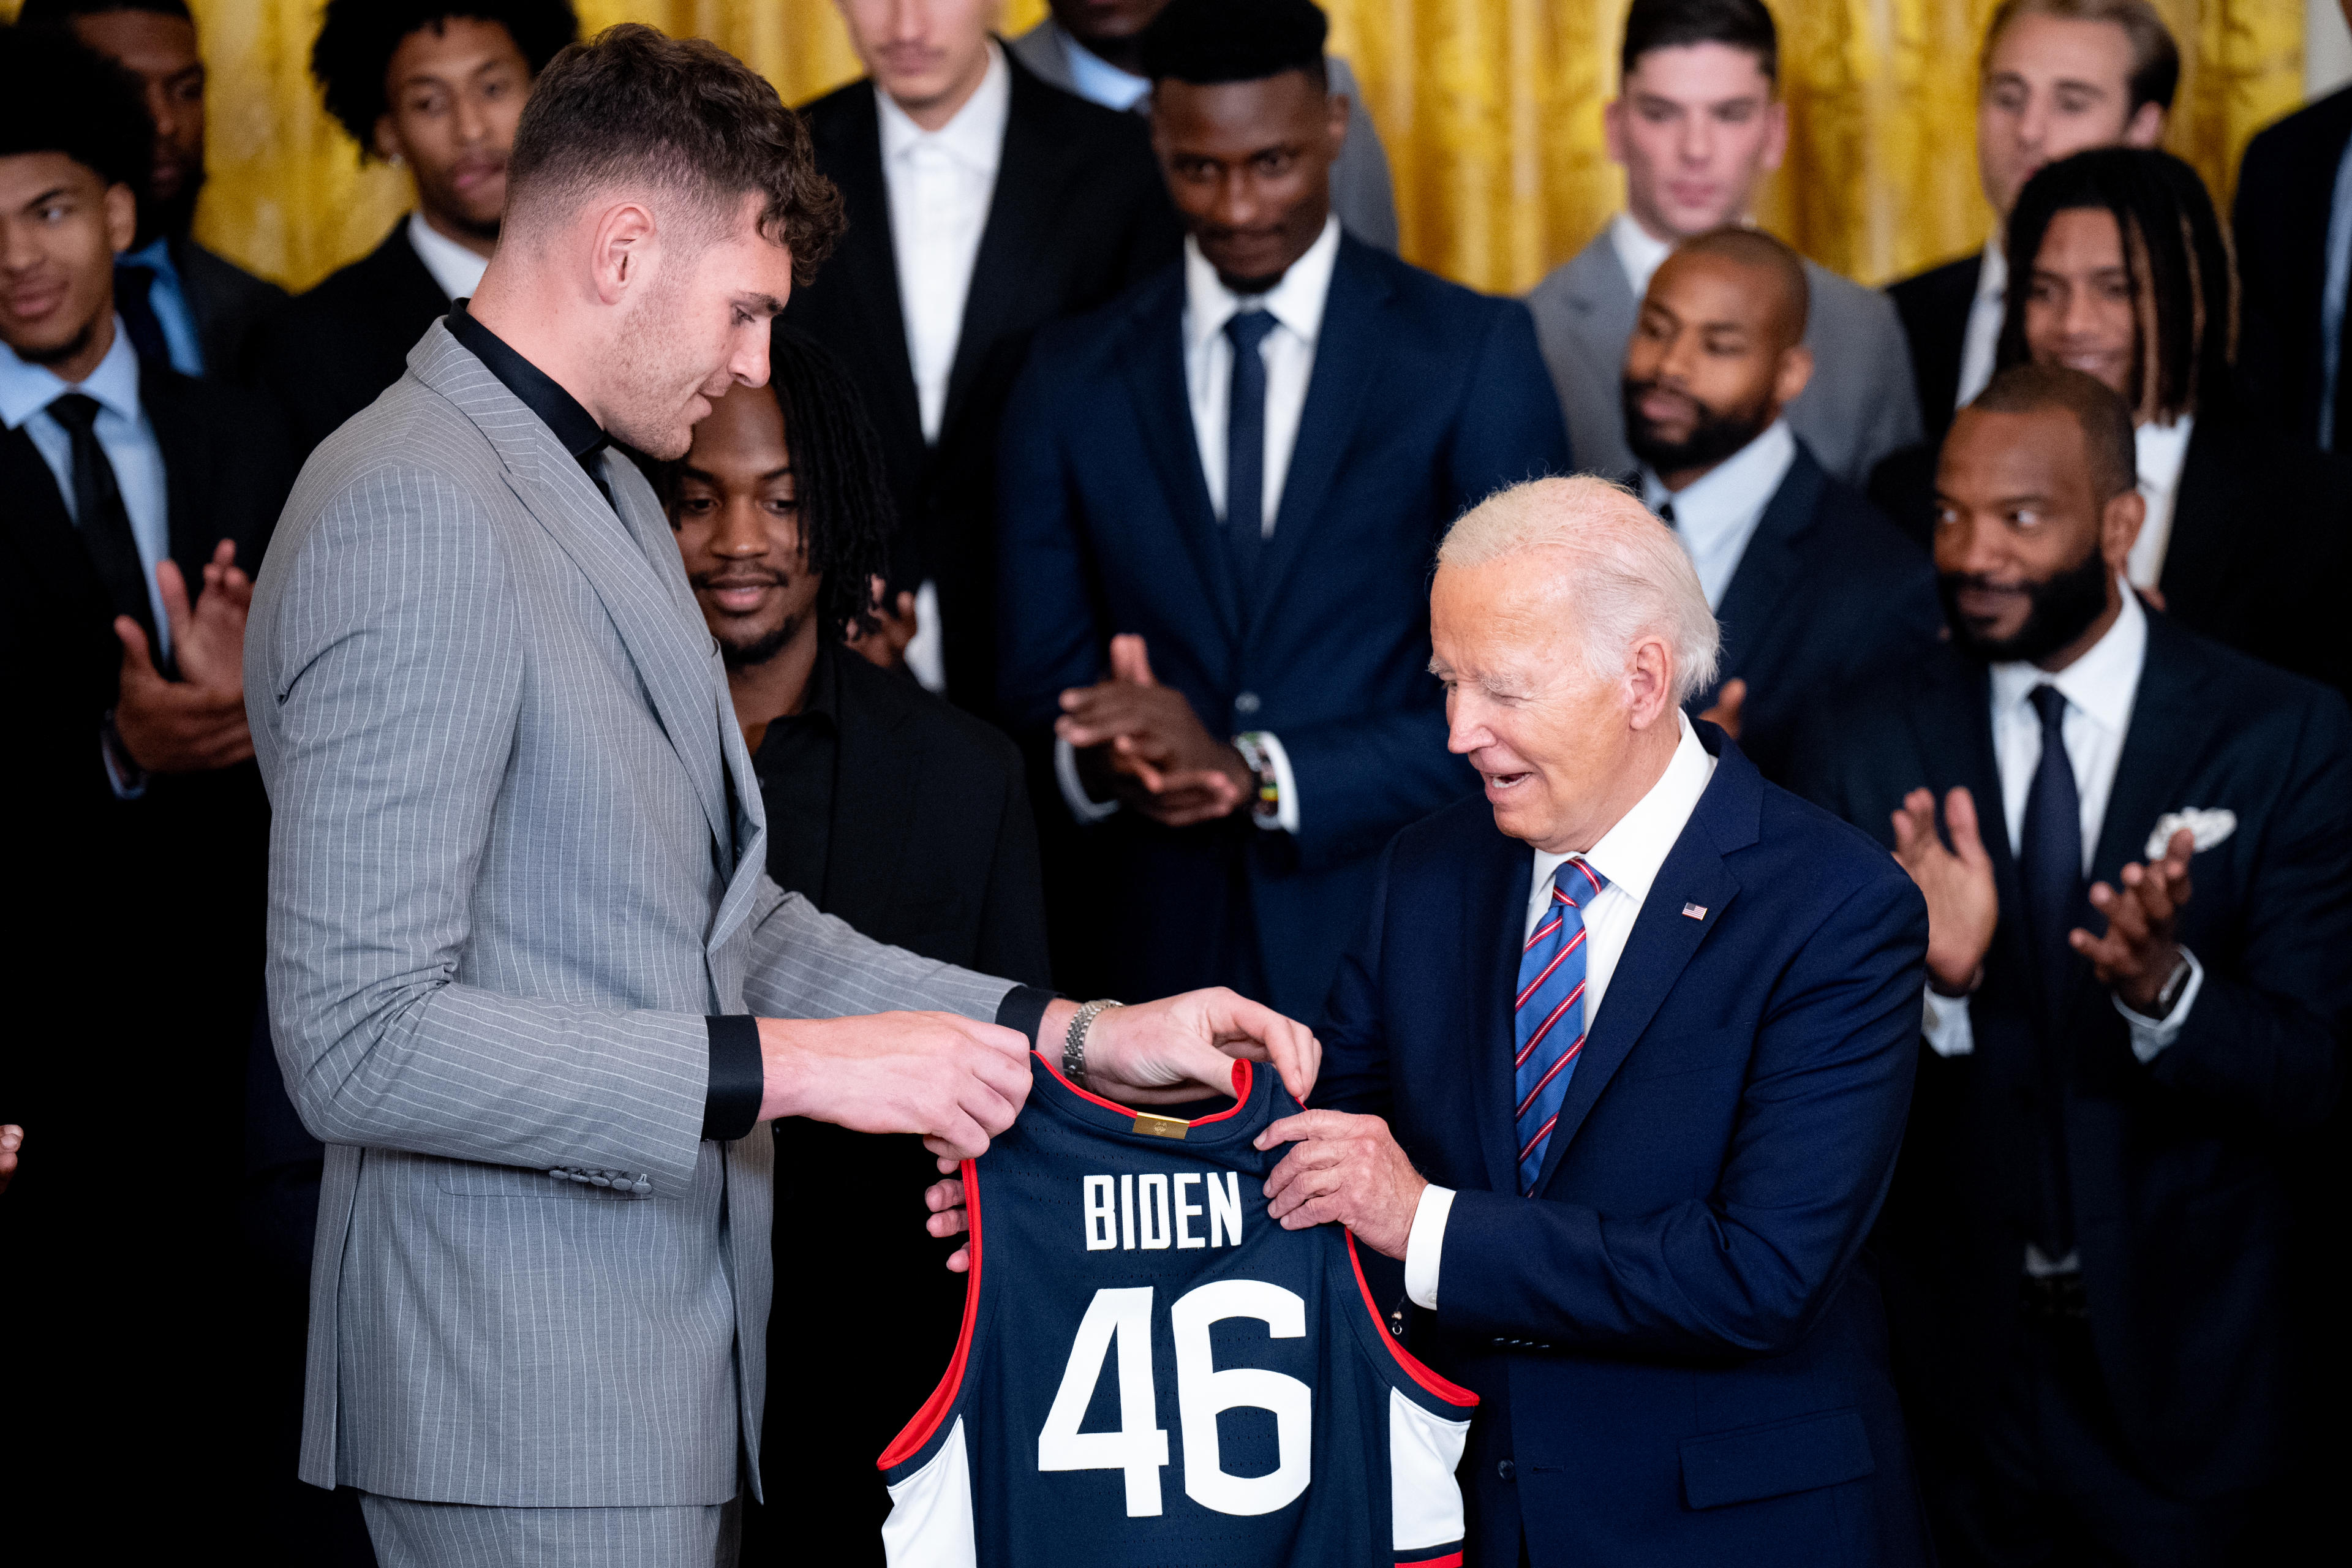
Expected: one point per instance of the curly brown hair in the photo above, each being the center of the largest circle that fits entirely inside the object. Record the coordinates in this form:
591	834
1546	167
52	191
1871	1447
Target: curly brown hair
635	105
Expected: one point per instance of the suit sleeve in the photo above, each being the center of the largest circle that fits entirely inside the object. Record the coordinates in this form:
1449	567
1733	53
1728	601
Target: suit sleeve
2267	1034
1361	778
385	681
1746	1270
1354	1076
806	964
1013	922
1047	637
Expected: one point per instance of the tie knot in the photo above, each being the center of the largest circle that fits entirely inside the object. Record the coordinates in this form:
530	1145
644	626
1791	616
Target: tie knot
1666	515
1248	329
2050	704
76	411
1575	883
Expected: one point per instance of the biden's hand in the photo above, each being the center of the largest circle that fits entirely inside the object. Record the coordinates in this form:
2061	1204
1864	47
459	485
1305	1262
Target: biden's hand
1345	1169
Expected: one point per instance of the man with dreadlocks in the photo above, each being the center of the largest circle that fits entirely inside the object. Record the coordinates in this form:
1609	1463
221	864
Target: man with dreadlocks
888	807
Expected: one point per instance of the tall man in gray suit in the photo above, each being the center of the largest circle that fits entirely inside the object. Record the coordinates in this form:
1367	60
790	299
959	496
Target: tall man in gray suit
520	927
1698	123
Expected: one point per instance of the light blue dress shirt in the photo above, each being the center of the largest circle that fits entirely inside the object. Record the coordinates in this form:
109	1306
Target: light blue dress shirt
124	433
1716	514
1095	78
168	298
2331	298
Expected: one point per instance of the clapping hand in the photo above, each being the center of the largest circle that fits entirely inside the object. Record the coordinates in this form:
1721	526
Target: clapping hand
1729	701
2139	953
1158	757
1963	906
197	721
12	1139
885	646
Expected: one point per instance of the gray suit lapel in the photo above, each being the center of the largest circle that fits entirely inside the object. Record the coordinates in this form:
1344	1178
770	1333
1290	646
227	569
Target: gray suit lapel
652	611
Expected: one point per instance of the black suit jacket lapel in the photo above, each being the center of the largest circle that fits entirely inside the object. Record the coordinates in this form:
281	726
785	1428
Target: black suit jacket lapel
1769	567
1349	349
1494	911
1663	939
41	535
2171	732
1154	367
179	435
873	797
2198	554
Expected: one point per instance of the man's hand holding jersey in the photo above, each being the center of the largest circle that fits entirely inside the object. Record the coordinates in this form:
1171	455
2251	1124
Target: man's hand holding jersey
1154	1053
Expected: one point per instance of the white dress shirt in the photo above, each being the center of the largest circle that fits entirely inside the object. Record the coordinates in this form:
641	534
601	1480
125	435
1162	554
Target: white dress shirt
2163	448
1982	338
458	269
1715	514
2099	687
1296	302
1638	252
942	183
1627	857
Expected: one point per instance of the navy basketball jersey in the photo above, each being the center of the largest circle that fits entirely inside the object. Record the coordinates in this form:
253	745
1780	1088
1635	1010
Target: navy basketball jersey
1151	1372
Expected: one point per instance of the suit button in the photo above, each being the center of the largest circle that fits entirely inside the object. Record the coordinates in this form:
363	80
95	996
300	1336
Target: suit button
1247	702
1506	1471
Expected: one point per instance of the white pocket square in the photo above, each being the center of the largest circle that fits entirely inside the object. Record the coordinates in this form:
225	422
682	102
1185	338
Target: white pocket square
2206	828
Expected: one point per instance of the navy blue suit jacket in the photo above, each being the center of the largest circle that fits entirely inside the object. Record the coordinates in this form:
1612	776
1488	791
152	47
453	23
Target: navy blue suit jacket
1425	398
1826	591
2187	1172
1678	1359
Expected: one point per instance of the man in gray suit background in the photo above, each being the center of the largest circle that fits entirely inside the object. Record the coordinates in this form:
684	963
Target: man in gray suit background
1095	48
519	926
1697	123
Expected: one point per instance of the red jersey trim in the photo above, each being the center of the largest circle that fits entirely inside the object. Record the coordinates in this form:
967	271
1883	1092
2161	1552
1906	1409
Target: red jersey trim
1450	1559
928	1420
1242	1077
1451	1392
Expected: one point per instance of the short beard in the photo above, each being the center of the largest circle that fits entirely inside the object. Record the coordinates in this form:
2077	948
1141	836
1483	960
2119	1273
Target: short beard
759	649
171	219
484	229
62	351
1713	436
2063	607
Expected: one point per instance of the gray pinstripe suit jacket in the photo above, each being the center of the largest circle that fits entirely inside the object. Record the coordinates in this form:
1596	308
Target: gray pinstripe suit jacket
516	859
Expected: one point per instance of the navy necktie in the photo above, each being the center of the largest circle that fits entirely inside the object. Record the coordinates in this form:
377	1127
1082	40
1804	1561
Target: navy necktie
2050	869
1246	445
102	519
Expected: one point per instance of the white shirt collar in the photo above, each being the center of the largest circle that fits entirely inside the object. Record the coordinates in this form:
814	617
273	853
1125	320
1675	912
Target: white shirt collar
1297	302
1630	854
458	269
1095	77
1993	271
1637	252
973	136
2102	683
1730	492
26	389
2162	448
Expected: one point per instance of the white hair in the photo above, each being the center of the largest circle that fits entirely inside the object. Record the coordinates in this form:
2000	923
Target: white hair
1623	573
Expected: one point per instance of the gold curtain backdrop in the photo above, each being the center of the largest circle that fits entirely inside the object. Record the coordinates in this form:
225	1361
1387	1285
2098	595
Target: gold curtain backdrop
1490	111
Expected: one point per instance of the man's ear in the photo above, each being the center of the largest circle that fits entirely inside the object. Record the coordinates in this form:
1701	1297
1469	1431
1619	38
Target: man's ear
2146	127
2119	526
1776	138
1336	121
1612	129
121	218
1796	374
1649	682
627	241
387	144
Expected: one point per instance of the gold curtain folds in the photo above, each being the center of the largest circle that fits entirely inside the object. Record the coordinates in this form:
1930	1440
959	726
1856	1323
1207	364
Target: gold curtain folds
1490	110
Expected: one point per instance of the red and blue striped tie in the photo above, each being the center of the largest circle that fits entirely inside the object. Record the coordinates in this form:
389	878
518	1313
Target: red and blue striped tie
1550	1012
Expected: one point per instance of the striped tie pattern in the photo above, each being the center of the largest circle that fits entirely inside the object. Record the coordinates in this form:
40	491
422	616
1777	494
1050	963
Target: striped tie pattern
1549	1012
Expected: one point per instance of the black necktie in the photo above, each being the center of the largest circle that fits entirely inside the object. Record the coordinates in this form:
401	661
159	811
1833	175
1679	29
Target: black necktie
1246	445
1666	516
132	285
2050	867
104	522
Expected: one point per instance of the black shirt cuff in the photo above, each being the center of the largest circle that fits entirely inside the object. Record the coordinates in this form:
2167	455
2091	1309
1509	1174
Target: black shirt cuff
1023	1008
730	1107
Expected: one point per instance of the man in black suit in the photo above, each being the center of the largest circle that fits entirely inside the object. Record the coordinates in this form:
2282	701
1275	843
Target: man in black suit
982	203
134	504
2090	1244
897	812
2293	225
2055	77
436	89
1811	584
181	301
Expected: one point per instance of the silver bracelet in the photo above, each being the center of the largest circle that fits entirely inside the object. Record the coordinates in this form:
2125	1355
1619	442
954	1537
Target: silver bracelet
1074	1044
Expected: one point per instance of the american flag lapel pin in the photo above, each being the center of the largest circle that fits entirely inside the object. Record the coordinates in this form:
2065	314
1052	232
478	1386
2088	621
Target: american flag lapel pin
1693	912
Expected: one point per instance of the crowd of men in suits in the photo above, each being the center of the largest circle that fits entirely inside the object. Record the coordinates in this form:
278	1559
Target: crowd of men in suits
1070	574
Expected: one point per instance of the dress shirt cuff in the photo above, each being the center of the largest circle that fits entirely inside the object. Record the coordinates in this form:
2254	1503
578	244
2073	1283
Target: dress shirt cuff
1083	807
126	778
1425	1245
1023	1009
1285	783
738	1078
2150	1036
1947	1026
